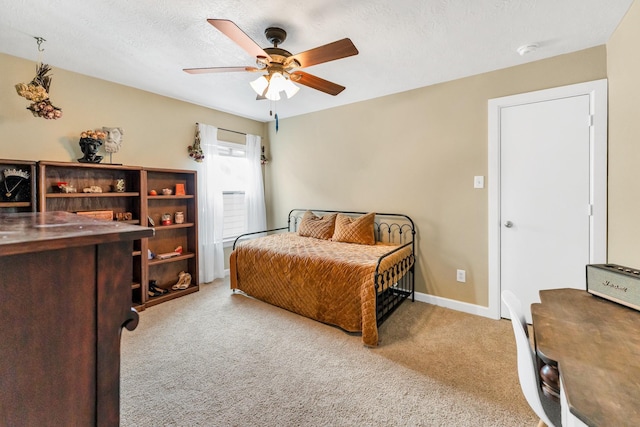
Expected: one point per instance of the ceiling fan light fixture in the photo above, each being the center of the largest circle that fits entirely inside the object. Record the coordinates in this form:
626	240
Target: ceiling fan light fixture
275	87
270	86
260	85
277	82
290	89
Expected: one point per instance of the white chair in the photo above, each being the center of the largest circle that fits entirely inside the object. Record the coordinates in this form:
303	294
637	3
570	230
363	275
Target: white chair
547	410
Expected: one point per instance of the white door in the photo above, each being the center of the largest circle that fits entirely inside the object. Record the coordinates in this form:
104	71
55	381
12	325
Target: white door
546	198
544	191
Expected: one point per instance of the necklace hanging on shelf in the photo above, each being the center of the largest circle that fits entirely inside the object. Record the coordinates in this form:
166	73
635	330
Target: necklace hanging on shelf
13	173
10	191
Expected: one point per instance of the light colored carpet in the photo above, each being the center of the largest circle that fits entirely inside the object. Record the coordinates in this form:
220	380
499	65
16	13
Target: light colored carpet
214	358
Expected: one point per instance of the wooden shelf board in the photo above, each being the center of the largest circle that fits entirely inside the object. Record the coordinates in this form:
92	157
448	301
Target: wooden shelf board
173	226
138	307
173	196
15	204
105	194
171	295
173	259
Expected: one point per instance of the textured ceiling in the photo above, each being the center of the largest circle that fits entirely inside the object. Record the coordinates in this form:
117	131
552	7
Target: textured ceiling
403	44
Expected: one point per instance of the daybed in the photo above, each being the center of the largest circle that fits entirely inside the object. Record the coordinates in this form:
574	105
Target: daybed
348	269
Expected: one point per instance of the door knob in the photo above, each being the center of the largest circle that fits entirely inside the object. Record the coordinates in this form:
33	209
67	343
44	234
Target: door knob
508	224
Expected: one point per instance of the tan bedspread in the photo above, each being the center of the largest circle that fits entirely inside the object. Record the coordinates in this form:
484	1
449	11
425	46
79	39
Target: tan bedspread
331	282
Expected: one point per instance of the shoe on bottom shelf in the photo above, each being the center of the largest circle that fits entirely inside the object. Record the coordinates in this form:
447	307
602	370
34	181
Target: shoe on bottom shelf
155	290
184	280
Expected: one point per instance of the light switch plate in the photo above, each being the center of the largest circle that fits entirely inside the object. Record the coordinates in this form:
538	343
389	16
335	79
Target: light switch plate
478	182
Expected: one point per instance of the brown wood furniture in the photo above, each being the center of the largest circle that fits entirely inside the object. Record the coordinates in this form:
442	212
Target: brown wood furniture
595	344
65	296
136	203
169	237
25	204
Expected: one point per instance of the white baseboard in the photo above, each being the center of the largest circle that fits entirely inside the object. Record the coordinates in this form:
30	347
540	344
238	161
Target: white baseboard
464	307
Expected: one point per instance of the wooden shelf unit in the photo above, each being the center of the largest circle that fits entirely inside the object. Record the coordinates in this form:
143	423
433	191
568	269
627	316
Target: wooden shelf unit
134	200
27	203
168	238
82	175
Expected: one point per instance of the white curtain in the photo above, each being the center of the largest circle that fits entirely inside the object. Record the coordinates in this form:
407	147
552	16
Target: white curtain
254	193
210	207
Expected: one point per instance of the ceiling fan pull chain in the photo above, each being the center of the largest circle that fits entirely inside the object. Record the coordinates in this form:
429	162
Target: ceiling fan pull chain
276	108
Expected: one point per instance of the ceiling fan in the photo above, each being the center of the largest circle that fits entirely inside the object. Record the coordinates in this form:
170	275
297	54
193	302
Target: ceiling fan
281	67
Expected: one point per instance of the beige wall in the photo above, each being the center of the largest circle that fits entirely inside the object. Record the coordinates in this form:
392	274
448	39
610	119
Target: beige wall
416	153
157	130
623	64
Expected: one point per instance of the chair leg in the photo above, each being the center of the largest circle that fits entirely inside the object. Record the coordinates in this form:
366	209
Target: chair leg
541	424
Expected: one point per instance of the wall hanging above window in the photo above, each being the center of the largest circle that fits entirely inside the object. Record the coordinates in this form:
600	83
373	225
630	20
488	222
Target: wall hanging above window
37	91
195	150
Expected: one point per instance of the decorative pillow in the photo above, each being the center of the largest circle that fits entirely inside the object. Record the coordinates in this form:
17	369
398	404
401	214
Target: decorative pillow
355	230
320	227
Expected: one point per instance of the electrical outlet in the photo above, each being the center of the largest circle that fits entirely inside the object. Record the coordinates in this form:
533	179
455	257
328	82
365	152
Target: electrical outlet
461	275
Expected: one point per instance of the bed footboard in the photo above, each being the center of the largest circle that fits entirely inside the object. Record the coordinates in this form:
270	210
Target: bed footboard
394	285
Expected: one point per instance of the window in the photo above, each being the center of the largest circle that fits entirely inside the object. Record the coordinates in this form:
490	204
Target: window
234	166
235	214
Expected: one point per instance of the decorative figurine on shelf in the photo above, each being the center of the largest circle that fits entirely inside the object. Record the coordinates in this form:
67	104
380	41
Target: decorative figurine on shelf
66	188
178	217
90	142
15	186
114	140
92	189
119	185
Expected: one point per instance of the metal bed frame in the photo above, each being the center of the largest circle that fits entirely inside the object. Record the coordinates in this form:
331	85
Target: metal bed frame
393	285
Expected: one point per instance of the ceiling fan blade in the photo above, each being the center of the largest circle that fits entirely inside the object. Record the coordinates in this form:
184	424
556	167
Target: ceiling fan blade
329	52
231	30
316	83
218	70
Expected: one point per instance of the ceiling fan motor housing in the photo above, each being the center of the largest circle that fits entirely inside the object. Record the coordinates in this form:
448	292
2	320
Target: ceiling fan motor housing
275	35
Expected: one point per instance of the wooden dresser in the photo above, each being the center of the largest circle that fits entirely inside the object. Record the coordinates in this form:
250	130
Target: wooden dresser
65	295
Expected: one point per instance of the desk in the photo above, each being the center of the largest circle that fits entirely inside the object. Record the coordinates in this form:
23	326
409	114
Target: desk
65	294
596	346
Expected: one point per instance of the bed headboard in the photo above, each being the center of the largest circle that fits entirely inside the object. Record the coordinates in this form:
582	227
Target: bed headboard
389	228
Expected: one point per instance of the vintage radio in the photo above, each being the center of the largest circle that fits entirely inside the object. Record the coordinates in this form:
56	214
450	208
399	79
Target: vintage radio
616	283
